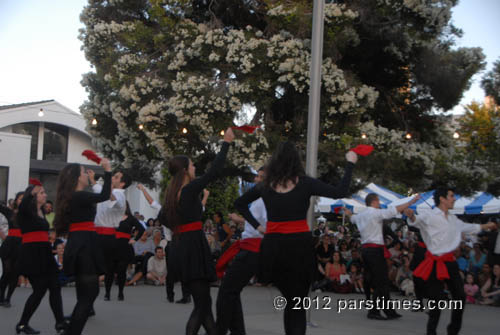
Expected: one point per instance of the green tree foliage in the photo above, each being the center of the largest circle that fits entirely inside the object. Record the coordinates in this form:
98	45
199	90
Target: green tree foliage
491	82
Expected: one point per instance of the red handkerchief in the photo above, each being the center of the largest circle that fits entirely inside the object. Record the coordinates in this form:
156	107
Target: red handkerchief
91	156
363	149
247	129
35	182
337	210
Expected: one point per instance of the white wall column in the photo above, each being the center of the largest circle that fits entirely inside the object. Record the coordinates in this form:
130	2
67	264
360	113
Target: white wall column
41	131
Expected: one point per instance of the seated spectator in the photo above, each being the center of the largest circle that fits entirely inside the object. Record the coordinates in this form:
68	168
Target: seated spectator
157	238
143	249
392	273
462	261
355	259
59	256
490	292
337	279
470	289
395	252
484	275
54	241
404	278
476	258
157	267
208	227
356	277
346	254
324	251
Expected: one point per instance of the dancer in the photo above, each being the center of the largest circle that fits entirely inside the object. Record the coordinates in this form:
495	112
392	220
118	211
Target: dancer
123	250
170	282
287	252
9	252
243	267
36	260
108	217
75	212
442	233
182	214
418	257
374	252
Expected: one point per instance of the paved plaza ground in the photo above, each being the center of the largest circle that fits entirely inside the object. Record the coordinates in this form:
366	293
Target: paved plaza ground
146	311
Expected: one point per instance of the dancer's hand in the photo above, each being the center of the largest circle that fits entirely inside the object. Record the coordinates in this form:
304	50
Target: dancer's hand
416	198
140	187
489	225
91	175
351	156
206	193
106	165
261	229
229	135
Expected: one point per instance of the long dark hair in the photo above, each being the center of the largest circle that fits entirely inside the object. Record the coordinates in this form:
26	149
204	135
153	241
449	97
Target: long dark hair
66	186
177	167
15	207
28	205
285	165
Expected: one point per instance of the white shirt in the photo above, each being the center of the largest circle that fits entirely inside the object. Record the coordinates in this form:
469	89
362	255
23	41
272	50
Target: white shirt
442	234
370	223
166	231
155	205
258	210
110	213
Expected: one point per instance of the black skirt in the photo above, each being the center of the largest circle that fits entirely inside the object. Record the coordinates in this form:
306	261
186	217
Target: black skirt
36	259
10	248
82	254
190	258
285	257
123	251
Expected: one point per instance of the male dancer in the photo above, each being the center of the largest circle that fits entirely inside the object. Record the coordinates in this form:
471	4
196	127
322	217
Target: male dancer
374	251
107	219
243	267
442	233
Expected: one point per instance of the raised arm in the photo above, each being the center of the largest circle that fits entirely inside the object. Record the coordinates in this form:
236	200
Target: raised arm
6	211
242	203
138	227
319	188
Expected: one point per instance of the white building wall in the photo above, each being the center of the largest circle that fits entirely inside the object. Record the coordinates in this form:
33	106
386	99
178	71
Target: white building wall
15	154
77	142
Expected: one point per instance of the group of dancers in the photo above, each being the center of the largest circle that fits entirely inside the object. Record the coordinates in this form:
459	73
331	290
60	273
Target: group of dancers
276	245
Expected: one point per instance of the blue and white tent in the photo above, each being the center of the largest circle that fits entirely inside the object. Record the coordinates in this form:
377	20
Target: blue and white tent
357	201
480	203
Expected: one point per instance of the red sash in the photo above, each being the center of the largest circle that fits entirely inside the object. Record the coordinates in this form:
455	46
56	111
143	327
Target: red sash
250	244
424	269
36	236
387	254
193	226
120	234
287	227
105	230
15	232
422	245
82	226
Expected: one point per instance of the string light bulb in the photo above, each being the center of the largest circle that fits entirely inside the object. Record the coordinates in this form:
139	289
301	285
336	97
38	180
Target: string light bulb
40	113
141	127
184	130
94	122
222	133
456	135
408	136
363	136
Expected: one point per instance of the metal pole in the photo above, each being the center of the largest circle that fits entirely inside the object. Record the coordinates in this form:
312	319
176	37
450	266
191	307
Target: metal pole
314	104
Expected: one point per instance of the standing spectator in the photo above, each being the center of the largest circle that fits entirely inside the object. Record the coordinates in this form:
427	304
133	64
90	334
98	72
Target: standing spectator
157	268
494	245
470	288
477	258
48	209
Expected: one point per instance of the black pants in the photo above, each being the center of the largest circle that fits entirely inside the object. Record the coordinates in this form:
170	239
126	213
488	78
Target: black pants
8	280
202	312
377	275
229	310
120	268
106	243
87	290
435	292
170	281
291	286
40	285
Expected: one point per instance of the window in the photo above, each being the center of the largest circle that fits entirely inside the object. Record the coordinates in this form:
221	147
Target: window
29	128
4	183
55	142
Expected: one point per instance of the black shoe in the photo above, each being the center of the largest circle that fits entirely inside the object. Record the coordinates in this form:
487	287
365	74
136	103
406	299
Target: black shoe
91	312
6	304
106	297
121	297
170	299
183	301
376	316
393	315
61	327
26	329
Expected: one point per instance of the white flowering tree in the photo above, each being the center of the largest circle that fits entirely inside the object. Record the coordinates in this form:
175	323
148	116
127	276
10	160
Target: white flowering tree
171	74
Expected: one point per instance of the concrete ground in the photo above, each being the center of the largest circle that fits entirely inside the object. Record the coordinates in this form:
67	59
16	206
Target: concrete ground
146	311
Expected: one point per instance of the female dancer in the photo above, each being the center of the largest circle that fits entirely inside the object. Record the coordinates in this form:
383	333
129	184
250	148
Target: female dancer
9	251
75	213
36	260
123	250
189	256
287	251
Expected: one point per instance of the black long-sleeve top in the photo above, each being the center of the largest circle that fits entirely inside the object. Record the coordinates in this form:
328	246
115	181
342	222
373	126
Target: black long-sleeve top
9	215
292	205
129	223
28	220
82	206
190	207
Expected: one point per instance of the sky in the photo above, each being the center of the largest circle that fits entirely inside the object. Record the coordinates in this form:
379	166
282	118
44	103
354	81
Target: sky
40	56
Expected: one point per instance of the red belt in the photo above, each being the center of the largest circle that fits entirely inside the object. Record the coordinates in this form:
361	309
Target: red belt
422	245
120	234
250	244
287	227
36	236
387	254
193	226
424	269
82	226
15	232
105	230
